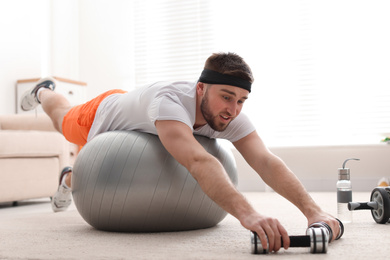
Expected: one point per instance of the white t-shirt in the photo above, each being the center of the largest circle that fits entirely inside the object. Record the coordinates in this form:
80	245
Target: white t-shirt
139	109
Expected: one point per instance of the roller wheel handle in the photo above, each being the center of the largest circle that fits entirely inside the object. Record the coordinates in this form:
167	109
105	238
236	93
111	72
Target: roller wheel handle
362	205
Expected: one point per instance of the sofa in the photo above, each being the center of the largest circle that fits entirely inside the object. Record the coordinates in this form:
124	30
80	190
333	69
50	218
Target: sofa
32	154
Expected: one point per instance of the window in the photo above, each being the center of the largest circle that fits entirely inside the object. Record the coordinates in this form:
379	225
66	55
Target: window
321	67
172	39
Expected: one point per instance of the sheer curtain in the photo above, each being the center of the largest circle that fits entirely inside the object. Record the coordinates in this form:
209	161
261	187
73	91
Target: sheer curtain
172	39
321	67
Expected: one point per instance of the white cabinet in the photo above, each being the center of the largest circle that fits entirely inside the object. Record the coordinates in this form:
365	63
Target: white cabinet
74	91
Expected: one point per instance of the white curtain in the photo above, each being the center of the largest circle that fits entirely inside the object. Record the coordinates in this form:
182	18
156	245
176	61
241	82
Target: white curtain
172	39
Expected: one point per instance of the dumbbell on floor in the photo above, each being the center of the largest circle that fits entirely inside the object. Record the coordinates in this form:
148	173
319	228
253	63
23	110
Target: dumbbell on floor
379	205
317	237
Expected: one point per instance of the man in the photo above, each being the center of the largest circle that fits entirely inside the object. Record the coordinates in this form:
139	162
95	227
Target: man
175	111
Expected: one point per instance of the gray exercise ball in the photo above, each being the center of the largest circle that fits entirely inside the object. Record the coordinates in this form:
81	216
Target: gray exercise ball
126	181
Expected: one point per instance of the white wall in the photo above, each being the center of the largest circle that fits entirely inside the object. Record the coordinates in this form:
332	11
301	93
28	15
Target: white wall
24	45
105	45
64	39
317	166
81	40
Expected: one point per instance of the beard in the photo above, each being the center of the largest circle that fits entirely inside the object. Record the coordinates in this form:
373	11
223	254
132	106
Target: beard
211	120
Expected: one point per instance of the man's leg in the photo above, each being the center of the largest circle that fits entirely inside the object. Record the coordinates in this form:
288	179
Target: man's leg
55	105
63	197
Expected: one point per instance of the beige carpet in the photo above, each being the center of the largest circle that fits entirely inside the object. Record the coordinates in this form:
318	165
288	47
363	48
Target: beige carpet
32	231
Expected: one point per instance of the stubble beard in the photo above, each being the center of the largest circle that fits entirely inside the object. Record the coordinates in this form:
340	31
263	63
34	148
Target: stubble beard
209	117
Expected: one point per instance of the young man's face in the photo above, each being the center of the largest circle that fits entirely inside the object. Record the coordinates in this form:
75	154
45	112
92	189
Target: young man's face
221	104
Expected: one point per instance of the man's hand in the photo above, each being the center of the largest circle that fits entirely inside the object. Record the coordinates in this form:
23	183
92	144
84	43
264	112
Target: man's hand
267	229
328	219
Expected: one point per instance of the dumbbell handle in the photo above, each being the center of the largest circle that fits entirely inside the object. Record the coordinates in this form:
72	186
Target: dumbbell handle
316	240
363	205
299	241
295	241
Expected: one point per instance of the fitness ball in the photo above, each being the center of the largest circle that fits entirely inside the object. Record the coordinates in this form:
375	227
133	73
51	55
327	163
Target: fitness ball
126	181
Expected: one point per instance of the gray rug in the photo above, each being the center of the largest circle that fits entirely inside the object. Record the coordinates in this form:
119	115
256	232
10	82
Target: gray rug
32	231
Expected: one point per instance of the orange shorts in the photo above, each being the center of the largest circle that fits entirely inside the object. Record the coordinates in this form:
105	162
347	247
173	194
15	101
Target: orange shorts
78	121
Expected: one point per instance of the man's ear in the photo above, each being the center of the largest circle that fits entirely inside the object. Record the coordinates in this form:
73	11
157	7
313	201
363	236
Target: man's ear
200	88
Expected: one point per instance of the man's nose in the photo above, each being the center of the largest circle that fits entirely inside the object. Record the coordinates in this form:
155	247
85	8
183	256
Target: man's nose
232	109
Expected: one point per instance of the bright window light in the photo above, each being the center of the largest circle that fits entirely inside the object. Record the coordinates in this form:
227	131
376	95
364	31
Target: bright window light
321	68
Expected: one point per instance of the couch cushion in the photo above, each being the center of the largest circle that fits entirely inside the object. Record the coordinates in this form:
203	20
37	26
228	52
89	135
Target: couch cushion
28	178
25	143
26	122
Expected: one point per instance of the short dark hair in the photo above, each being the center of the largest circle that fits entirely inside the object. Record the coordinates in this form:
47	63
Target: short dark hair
230	64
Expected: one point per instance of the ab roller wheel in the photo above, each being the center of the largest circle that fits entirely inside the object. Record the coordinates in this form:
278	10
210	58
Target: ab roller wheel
318	236
379	205
382	199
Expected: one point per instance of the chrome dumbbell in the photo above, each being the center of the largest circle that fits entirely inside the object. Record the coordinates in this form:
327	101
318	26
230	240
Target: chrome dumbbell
317	237
379	205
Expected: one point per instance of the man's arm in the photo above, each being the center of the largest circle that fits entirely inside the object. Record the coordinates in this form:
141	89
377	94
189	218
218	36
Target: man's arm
178	139
278	176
